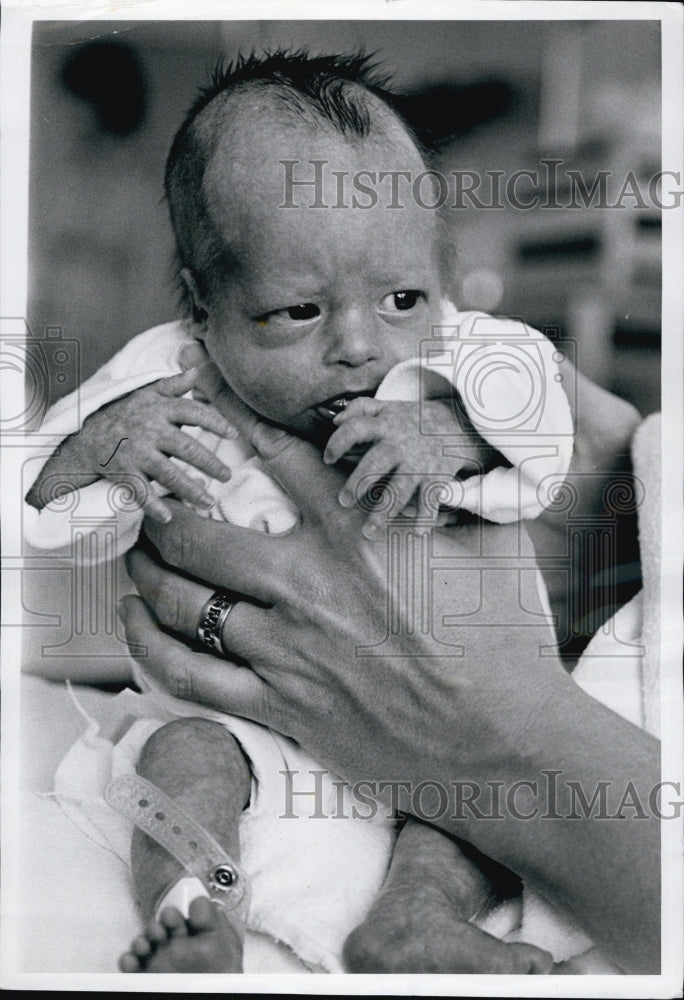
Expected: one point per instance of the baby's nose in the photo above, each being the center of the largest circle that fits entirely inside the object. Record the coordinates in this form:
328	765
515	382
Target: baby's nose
353	340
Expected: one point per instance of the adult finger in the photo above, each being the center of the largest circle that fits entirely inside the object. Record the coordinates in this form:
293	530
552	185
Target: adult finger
297	466
175	600
225	555
179	603
194	355
192	676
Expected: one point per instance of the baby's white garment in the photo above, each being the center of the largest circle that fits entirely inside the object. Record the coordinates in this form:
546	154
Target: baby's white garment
505	373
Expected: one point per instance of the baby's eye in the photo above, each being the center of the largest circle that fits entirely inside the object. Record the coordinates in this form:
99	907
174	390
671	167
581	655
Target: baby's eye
305	310
300	313
402	301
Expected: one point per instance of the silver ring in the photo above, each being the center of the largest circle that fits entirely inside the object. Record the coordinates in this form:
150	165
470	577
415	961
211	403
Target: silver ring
212	619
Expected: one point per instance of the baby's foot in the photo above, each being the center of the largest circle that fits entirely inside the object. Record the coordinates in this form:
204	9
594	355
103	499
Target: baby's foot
413	927
204	942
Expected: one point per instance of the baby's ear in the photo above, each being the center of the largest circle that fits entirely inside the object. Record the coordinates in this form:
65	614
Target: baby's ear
199	312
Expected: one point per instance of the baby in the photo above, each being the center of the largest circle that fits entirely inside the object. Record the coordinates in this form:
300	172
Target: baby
315	318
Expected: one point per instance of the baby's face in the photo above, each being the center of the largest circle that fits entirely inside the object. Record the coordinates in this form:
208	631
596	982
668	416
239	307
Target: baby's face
322	302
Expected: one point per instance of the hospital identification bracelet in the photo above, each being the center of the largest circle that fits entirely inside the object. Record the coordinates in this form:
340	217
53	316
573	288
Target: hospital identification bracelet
161	818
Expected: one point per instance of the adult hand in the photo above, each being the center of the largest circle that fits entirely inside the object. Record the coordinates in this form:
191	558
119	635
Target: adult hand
467	690
598	484
328	617
585	586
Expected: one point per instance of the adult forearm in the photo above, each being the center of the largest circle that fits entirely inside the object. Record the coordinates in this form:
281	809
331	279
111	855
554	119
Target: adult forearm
575	812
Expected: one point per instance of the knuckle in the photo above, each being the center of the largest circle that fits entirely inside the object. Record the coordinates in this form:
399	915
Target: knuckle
179	681
192	450
173	477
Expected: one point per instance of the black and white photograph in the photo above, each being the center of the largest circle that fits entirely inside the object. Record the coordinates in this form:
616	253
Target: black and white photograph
341	441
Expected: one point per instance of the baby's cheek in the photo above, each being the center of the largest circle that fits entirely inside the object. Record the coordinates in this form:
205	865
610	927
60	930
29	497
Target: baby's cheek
265	396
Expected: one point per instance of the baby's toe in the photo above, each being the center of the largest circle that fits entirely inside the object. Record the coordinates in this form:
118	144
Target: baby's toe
156	933
129	963
173	921
202	915
141	947
530	960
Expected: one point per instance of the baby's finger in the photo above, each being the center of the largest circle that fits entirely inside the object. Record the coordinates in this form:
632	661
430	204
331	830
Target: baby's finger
177	385
377	463
359	431
397	493
197	414
181	445
362	406
169	475
137	484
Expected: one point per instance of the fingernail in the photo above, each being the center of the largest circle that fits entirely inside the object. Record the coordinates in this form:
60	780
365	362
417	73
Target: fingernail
207	501
369	530
345	499
165	516
231	432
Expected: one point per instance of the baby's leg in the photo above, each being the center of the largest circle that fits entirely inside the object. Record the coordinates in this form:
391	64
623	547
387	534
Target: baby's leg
420	920
201	766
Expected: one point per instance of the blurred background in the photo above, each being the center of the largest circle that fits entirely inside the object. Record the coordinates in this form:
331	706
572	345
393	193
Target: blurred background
503	97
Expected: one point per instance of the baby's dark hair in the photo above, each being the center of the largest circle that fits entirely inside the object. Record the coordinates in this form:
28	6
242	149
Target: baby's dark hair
311	88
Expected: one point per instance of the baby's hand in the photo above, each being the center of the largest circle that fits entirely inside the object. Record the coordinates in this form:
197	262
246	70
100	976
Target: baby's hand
407	445
136	436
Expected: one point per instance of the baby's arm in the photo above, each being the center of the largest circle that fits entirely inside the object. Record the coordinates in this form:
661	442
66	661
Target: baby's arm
134	437
417	444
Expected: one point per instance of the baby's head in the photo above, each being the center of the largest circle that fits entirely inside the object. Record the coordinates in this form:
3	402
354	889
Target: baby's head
306	306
